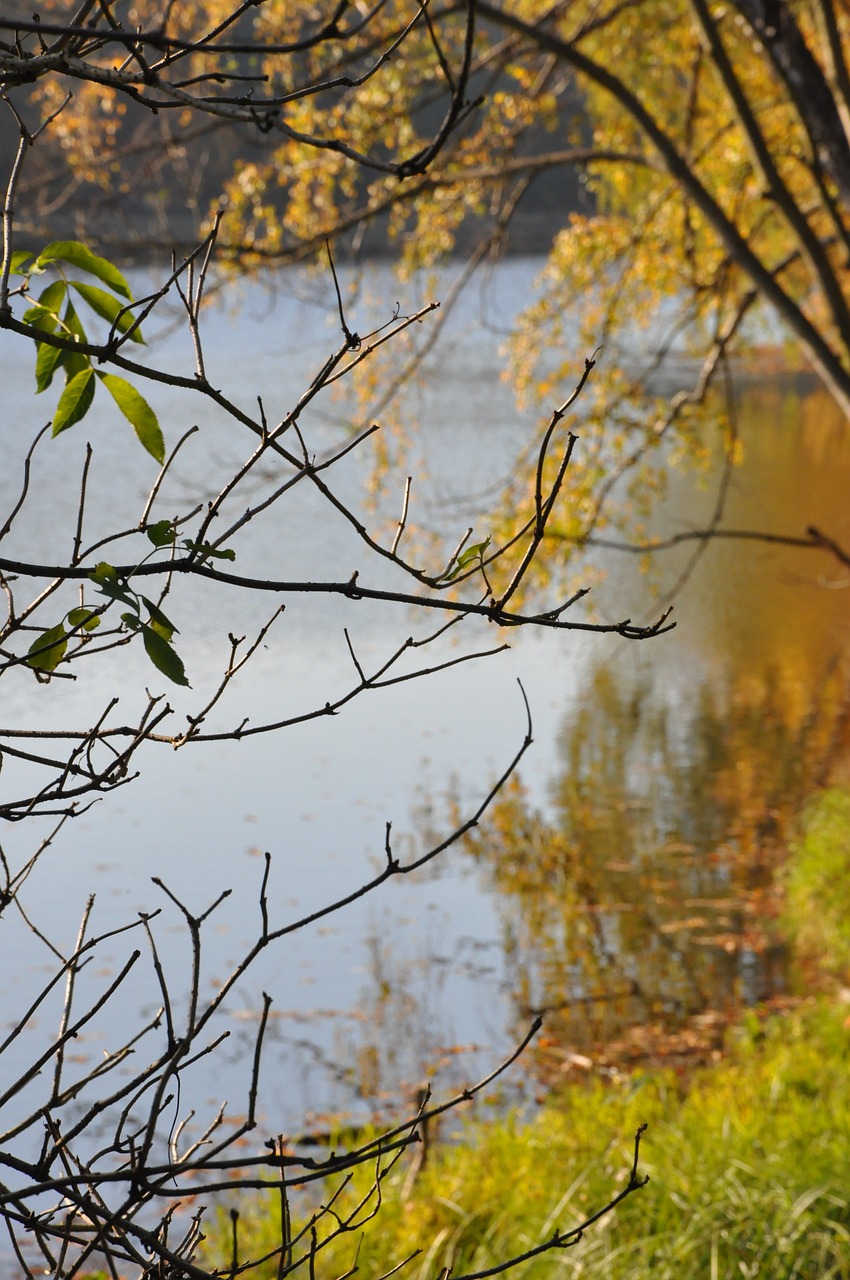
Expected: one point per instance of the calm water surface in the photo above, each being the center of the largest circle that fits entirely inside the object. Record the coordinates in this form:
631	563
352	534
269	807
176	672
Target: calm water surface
624	886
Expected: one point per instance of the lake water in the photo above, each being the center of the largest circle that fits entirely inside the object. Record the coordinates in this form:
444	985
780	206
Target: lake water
627	888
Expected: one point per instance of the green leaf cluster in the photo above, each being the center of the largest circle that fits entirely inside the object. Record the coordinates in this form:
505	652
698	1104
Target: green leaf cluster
54	315
140	615
144	616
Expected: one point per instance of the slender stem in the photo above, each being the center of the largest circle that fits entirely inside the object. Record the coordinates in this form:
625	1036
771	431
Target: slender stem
8	216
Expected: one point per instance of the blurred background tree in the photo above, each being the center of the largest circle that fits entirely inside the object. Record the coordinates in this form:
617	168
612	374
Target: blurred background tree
685	168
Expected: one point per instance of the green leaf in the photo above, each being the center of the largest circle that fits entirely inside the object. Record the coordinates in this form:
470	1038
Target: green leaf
53	296
41	318
107	307
138	413
162	533
132	621
106	579
167	633
78	255
75	401
52	643
85	618
466	558
44	314
73	362
162	625
46	362
207	552
19	257
475	552
163	656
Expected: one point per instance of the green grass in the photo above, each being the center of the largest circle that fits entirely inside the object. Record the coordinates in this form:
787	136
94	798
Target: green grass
817	912
749	1176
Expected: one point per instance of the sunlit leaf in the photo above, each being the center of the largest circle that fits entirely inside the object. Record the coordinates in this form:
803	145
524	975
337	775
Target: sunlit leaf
19	257
75	401
467	558
46	362
163	656
85	618
78	255
138	413
73	362
107	307
44	314
53	295
46	652
473	553
41	318
162	625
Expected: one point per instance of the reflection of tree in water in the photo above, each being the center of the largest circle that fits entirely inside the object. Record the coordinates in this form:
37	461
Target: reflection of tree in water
404	1032
644	913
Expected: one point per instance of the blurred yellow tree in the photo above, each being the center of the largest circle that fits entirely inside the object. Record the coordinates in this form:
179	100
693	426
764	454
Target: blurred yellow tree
711	144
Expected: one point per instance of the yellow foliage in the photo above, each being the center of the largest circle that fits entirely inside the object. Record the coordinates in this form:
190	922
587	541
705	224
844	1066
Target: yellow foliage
706	187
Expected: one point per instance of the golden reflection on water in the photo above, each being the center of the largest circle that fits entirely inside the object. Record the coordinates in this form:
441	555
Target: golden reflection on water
643	910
